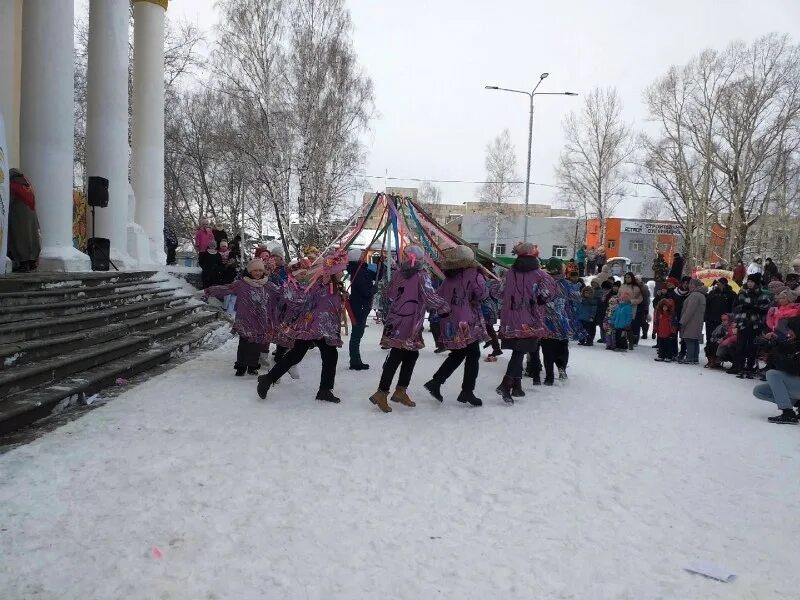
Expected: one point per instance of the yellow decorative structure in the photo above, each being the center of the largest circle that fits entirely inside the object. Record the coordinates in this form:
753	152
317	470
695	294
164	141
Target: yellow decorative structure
162	3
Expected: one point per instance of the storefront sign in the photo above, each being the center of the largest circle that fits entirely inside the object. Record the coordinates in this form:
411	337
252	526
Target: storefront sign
650	228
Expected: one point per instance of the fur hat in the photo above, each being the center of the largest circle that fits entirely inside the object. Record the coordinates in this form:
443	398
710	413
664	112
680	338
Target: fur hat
278	251
254	264
459	257
414	251
525	249
354	255
755	278
554	265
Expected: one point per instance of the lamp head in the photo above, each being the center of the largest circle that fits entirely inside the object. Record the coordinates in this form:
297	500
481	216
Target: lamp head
544	76
490	87
570	94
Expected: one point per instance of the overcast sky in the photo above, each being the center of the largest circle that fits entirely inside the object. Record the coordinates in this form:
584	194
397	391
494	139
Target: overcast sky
429	60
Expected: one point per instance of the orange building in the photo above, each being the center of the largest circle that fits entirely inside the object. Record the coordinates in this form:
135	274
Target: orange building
637	240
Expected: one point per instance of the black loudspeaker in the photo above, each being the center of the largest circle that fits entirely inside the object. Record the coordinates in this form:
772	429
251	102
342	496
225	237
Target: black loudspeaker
99	251
98	192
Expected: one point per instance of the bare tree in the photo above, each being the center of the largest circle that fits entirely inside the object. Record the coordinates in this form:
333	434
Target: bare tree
502	181
593	167
429	193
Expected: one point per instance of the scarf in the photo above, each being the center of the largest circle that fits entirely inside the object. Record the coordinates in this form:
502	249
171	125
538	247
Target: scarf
22	190
255	282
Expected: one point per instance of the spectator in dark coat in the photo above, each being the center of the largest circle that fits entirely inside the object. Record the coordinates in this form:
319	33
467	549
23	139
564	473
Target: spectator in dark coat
212	266
676	270
219	234
770	270
750	313
719	302
783	382
24	243
170	238
362	290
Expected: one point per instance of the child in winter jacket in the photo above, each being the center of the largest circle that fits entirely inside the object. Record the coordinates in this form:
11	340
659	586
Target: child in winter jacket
315	319
665	324
256	297
587	313
410	294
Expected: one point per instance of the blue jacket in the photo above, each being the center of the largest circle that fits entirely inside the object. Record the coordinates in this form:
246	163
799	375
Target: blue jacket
587	309
580	256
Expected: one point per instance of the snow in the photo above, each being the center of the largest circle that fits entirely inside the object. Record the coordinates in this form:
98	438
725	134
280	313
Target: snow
605	487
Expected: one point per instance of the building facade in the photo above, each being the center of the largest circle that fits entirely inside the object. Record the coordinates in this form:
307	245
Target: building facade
555	236
638	240
37	40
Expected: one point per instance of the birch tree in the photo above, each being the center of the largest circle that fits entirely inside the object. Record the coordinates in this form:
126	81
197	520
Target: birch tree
502	182
594	164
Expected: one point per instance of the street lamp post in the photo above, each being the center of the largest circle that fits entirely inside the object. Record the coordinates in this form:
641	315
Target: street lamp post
530	95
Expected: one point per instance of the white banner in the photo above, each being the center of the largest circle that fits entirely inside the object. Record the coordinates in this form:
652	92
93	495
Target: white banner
5	199
650	228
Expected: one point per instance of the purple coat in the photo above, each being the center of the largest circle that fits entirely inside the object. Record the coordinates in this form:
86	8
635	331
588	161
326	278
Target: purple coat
410	293
524	291
464	290
254	307
314	315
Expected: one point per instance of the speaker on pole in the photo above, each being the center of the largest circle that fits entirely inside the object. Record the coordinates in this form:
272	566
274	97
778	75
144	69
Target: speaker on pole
98	192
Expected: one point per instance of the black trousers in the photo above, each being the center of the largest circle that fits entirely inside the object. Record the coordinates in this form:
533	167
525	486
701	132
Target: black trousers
329	354
248	354
554	352
493	334
667	347
171	254
471	357
396	358
514	368
534	365
746	350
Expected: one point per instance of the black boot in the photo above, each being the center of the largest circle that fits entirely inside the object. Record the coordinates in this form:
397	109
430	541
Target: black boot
252	370
435	388
788	417
562	373
359	366
504	389
537	378
264	383
327	396
516	388
548	380
240	371
468	397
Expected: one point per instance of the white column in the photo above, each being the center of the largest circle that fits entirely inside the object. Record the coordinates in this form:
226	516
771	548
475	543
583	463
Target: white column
7	43
107	120
147	168
46	127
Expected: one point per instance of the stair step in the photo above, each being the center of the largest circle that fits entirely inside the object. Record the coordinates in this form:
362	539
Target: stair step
16	282
55	295
20	353
64	365
180	326
27	330
75	307
23	408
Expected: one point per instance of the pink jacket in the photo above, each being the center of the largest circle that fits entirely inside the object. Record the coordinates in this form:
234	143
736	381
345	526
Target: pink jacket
202	238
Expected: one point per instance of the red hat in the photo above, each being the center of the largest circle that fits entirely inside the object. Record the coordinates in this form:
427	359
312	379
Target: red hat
673	281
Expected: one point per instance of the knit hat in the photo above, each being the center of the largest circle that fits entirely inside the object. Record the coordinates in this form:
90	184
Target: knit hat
755	278
788	294
211	245
673	281
554	265
354	255
278	251
459	257
525	249
723	280
776	287
256	264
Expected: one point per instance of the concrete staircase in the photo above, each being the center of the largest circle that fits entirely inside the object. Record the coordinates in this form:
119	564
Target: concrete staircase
66	336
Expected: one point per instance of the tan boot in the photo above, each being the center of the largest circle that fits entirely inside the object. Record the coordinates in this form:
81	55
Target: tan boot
401	396
379	400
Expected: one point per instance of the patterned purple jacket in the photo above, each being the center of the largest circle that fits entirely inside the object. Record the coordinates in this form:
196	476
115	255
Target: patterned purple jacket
255	300
464	290
409	294
313	315
524	291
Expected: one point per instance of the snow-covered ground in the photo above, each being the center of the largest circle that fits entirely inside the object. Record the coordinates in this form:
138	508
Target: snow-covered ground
189	487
